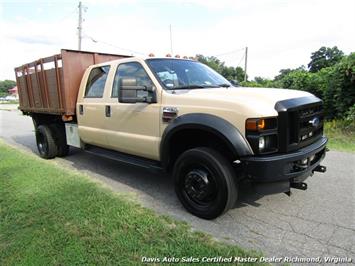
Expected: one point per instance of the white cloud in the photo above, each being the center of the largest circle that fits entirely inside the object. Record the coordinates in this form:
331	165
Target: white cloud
279	34
282	36
23	41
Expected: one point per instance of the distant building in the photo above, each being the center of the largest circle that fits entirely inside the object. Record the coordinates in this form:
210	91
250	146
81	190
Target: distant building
13	92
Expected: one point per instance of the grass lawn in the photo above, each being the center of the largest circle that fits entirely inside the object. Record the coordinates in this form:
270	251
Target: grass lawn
50	215
341	136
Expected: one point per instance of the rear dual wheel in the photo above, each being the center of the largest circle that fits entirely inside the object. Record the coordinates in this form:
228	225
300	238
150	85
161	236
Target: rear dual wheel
205	182
51	141
60	139
46	144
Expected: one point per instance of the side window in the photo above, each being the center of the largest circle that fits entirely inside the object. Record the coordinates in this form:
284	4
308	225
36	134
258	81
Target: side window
96	82
130	70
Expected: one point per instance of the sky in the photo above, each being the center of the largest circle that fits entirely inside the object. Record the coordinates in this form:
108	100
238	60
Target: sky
279	34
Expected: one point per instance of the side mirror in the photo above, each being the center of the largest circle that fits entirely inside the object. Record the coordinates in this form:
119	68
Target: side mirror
130	92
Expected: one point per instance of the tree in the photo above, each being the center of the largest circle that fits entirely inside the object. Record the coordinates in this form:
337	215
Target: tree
211	61
263	82
324	57
339	94
5	85
230	73
283	73
240	73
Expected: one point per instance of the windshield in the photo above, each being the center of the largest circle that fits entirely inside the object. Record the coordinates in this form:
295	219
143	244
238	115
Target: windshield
186	74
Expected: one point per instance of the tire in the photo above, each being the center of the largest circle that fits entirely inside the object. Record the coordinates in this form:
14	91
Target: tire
205	182
60	139
46	145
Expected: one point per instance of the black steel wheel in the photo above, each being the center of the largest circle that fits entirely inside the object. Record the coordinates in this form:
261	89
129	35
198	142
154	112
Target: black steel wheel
205	182
45	142
60	139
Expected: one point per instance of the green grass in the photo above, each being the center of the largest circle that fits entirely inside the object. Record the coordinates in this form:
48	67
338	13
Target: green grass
9	102
341	135
49	215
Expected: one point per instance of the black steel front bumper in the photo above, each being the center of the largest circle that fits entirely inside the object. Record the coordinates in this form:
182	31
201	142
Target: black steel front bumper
292	167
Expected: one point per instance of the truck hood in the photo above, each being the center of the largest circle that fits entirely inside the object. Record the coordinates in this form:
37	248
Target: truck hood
254	101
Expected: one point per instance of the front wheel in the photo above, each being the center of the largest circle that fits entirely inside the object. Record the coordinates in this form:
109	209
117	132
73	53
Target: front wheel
205	182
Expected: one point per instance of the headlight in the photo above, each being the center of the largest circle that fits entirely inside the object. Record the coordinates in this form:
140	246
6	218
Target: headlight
262	134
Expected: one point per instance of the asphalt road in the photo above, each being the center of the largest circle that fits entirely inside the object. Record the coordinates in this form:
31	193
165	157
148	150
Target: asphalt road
312	223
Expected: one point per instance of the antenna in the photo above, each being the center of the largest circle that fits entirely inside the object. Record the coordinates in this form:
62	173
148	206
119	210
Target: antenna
171	40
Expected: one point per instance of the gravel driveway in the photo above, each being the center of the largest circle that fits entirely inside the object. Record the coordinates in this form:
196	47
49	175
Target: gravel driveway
312	223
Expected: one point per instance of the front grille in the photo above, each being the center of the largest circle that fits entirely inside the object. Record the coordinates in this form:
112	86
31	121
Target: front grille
299	124
307	126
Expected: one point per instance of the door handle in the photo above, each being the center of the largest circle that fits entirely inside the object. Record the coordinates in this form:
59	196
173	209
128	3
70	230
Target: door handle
81	109
108	111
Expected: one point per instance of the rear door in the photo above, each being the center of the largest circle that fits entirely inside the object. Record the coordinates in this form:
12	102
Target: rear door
91	107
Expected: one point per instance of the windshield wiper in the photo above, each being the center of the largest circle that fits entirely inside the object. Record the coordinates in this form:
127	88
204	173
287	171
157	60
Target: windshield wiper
224	85
196	86
188	87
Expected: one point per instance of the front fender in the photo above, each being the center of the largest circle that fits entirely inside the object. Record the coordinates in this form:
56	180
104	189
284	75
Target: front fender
212	124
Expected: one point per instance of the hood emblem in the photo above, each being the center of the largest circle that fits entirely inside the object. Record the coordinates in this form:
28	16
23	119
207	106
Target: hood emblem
314	122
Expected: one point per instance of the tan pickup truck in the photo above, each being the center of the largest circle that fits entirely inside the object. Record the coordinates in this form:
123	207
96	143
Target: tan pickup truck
176	115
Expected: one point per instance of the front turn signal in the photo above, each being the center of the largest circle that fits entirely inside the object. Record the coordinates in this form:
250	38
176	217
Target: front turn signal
255	124
260	124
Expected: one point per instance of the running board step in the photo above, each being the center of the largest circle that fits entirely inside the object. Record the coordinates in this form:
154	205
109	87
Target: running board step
124	158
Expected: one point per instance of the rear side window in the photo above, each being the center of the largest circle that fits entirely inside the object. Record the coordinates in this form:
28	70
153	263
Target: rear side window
96	82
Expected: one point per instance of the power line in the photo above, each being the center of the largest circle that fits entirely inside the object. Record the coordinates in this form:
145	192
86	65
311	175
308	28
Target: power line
241	59
245	57
230	52
113	45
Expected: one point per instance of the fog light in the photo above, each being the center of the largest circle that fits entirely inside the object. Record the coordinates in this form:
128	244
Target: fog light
312	158
261	143
304	161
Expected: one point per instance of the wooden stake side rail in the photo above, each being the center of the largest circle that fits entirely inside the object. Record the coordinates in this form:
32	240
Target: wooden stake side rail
51	84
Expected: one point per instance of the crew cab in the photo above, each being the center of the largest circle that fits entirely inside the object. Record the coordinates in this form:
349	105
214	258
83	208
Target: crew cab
176	115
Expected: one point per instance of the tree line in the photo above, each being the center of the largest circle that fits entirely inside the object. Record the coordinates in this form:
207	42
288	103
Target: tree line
5	85
330	75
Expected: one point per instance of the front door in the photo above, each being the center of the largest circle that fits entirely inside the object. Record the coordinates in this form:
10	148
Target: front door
133	128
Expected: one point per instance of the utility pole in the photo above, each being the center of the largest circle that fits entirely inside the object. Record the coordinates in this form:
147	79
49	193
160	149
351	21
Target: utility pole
80	23
246	64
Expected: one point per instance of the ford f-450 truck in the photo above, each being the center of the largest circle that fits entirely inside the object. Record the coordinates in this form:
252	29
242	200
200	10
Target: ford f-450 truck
177	115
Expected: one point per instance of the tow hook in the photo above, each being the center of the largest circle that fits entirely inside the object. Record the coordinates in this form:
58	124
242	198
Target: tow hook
320	168
301	185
